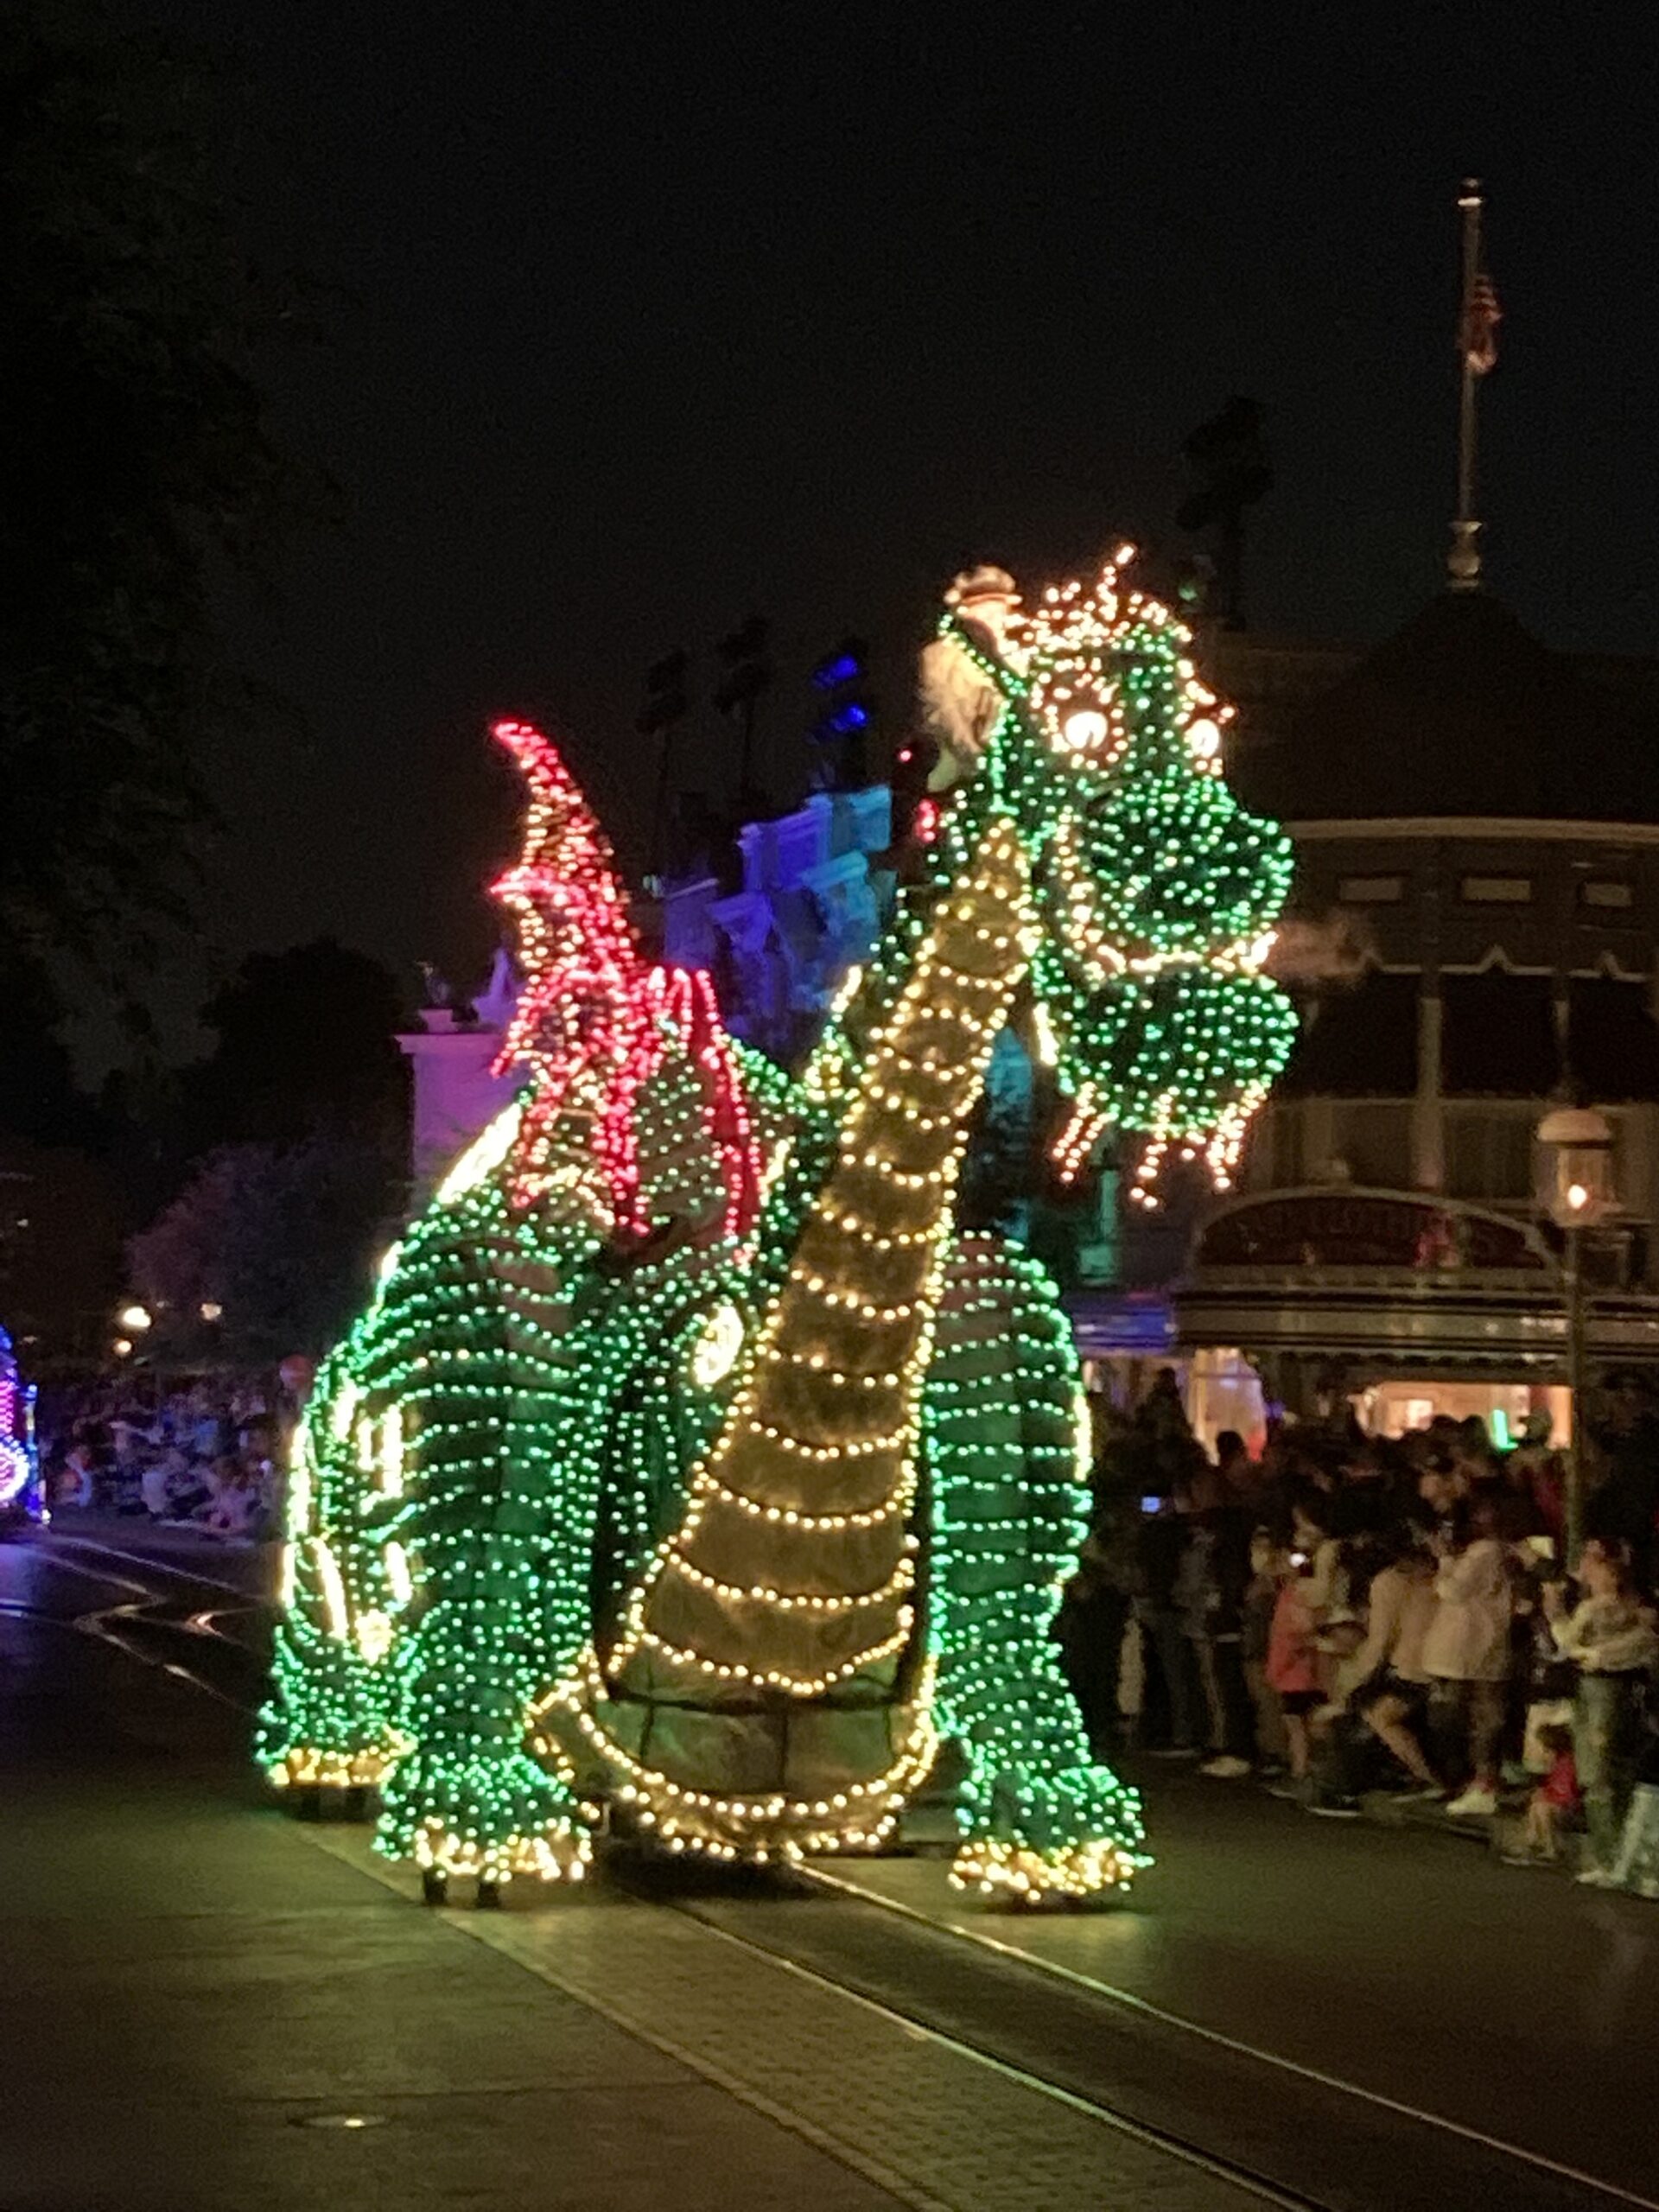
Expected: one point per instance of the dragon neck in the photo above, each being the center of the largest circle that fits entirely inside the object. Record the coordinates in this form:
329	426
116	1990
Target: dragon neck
790	1569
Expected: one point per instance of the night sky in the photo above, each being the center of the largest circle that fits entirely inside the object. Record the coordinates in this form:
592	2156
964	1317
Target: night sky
639	323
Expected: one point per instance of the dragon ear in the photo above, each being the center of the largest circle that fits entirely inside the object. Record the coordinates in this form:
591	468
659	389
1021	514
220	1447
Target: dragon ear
562	842
570	910
688	1002
579	1012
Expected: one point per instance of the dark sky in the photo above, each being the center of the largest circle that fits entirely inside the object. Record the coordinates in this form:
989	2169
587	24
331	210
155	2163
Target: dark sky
645	319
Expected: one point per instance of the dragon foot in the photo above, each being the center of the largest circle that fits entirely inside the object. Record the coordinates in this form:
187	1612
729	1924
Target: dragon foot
488	1817
1037	1839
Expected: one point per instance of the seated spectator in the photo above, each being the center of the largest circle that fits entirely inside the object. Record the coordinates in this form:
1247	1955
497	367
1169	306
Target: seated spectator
157	1486
1552	1805
78	1482
233	1500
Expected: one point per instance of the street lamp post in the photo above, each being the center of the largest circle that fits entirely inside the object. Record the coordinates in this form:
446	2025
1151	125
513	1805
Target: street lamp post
1575	1188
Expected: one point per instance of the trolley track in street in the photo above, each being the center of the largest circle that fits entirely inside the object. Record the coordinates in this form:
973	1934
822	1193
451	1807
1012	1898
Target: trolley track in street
1297	2137
1242	2123
173	1620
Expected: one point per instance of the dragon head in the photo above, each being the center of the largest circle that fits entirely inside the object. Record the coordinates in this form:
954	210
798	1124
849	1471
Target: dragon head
1154	894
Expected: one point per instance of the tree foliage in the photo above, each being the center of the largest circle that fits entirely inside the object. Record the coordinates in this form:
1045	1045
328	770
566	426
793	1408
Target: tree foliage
304	1041
137	467
281	1238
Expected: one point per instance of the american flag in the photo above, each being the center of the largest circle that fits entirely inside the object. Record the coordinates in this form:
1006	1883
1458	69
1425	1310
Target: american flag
1481	316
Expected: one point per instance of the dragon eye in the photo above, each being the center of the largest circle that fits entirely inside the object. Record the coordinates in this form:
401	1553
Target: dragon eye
1204	738
1084	729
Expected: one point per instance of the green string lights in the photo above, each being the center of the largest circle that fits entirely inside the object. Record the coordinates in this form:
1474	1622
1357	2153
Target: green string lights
688	1457
1003	1409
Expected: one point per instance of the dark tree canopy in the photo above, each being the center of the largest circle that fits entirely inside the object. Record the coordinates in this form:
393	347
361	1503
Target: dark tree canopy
137	467
305	1042
61	1267
281	1238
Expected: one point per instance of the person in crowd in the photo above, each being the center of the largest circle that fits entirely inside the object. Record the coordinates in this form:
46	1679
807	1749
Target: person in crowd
1554	1804
1609	1637
1536	1467
1467	1648
1089	1628
234	1502
1255	1628
130	1447
1239	1475
1163	1537
1317	1551
1293	1664
1384	1686
1623	1509
1209	1588
1473	1455
1440	1489
79	1480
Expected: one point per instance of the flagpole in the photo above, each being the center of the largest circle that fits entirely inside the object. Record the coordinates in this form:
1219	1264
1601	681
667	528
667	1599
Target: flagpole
1464	559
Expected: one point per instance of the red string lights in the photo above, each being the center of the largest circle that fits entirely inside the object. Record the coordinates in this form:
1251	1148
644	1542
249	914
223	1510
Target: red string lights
594	1023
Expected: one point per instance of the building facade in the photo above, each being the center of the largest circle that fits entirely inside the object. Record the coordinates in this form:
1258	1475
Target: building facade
1474	931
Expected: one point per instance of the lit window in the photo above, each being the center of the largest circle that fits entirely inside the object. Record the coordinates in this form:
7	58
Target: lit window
1498	890
1604	894
1371	890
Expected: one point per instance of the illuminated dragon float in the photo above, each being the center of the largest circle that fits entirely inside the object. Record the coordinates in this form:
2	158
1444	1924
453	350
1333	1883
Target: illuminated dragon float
690	1473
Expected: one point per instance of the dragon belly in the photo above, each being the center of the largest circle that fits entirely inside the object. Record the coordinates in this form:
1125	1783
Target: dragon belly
769	1690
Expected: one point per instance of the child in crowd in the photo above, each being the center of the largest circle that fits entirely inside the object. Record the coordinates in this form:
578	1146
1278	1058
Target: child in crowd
1261	1598
1292	1667
1611	1637
1554	1804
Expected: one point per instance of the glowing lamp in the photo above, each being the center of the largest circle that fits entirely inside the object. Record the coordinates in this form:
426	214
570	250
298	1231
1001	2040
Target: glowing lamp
136	1318
1575	1166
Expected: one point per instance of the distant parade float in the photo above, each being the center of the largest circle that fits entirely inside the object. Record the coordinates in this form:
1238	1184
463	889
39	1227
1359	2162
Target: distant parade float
692	1474
20	1467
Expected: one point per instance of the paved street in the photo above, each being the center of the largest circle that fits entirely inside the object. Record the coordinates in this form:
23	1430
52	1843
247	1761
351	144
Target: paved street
209	1991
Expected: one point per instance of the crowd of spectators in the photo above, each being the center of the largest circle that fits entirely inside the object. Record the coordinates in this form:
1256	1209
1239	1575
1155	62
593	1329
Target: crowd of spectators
1343	1614
205	1453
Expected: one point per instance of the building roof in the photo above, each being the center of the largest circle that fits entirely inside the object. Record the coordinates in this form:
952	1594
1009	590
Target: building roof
1461	713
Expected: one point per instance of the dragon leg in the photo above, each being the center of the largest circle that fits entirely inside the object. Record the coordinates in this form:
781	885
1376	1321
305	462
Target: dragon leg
1038	1818
491	1527
326	1723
